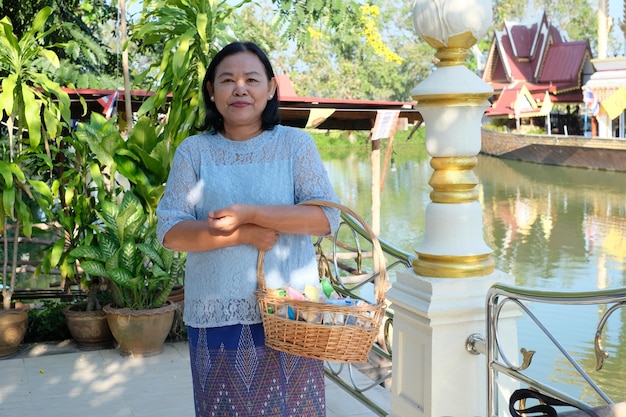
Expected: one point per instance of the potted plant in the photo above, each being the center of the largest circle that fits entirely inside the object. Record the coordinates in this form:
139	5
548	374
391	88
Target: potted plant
77	188
35	110
141	273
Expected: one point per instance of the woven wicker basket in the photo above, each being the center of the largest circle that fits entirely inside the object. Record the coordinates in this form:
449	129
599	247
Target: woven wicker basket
353	330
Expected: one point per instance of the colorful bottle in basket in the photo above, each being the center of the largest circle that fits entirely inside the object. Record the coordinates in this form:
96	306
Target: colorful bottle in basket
327	288
312	293
276	293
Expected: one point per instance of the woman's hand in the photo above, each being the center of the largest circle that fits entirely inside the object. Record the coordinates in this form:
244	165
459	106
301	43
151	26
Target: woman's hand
261	238
293	219
228	219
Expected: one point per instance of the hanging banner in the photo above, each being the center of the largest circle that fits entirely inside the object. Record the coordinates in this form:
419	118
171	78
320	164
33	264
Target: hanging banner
615	104
385	124
318	116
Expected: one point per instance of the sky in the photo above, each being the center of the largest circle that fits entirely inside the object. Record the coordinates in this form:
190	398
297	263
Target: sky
616	9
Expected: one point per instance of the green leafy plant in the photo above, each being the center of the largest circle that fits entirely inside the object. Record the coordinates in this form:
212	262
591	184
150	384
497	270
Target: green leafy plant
141	271
78	187
35	110
143	158
188	35
47	323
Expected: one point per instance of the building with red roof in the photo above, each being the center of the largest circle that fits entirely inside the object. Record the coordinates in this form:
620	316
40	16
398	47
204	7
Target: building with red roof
295	110
535	58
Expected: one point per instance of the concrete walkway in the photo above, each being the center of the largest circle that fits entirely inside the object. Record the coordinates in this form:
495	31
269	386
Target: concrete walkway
49	380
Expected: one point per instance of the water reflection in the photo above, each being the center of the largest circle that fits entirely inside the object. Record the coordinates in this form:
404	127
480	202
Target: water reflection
561	229
550	227
554	227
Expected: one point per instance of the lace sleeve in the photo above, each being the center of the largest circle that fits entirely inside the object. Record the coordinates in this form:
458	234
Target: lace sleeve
311	178
176	204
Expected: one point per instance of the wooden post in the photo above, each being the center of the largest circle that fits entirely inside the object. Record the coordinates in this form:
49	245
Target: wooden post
387	159
375	158
127	98
384	127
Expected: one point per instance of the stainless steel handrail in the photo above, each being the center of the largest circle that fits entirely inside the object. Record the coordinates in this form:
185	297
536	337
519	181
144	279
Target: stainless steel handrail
497	362
498	296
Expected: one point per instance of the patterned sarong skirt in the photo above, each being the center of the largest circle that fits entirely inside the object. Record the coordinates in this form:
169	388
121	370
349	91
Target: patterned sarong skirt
235	375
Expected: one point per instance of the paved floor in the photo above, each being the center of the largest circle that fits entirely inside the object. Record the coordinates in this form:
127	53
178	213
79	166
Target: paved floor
60	381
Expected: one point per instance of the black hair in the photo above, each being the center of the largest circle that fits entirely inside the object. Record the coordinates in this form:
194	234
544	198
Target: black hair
213	120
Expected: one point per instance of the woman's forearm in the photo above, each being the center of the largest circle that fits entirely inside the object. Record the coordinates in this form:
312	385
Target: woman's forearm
303	220
260	224
194	236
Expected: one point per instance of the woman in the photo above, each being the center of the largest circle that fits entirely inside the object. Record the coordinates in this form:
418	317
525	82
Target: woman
232	191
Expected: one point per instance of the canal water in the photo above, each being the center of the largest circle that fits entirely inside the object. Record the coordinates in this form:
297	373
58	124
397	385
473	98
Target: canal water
552	228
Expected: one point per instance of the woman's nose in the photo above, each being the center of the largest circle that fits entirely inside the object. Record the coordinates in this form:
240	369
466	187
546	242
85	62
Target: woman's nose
240	88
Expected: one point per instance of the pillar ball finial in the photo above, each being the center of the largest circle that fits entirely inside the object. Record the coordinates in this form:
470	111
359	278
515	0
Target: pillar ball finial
437	21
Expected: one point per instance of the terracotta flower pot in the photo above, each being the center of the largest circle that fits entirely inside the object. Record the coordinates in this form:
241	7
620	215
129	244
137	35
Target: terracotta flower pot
90	329
140	333
177	294
13	326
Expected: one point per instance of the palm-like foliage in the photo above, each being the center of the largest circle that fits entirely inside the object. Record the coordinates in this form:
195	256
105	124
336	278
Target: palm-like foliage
143	158
27	92
78	186
190	33
36	110
127	252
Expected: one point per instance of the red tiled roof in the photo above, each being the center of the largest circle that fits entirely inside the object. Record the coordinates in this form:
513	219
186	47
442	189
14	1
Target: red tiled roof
504	103
348	114
563	62
537	56
522	38
294	110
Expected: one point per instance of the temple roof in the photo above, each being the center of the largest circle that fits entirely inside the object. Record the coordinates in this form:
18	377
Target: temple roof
537	56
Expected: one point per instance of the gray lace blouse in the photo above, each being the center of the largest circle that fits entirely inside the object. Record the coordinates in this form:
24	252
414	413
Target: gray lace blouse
278	167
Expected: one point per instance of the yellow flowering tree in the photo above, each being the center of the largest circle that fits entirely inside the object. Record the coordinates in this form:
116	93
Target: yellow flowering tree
369	14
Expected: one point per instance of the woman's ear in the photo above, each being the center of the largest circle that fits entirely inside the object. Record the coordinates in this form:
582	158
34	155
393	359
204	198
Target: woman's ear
273	86
209	89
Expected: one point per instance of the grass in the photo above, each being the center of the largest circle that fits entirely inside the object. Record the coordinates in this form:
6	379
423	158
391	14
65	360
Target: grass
336	144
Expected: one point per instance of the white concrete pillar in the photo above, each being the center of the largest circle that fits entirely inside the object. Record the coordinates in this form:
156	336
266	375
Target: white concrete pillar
434	375
440	301
605	125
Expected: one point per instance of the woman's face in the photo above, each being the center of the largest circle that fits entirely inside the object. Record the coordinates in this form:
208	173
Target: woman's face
241	89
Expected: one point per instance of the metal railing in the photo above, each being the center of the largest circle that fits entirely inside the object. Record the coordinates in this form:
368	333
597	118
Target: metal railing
345	259
497	361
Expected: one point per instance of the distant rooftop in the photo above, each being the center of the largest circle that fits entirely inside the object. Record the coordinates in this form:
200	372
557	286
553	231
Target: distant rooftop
535	55
294	110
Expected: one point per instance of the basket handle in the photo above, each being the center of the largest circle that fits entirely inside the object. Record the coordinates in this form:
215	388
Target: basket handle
380	282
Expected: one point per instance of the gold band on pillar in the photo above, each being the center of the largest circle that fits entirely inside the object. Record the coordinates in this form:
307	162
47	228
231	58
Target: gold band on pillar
456	50
453	180
450	100
453	266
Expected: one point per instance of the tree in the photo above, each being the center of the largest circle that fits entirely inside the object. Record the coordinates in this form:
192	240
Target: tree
357	62
298	16
81	39
36	111
189	33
